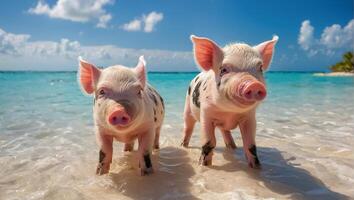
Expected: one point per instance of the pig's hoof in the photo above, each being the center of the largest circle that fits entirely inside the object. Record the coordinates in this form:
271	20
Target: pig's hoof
231	146
254	165
128	148
146	171
156	147
102	169
204	162
185	144
252	158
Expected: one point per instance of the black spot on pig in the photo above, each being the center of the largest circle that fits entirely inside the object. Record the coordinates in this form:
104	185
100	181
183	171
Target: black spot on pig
196	94
153	98
189	90
147	160
101	157
163	103
206	149
253	151
155	119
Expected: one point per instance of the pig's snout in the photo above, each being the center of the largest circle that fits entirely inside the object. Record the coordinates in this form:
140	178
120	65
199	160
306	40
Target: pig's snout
119	117
253	91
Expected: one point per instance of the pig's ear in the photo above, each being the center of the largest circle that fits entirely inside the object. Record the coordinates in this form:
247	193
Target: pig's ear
140	70
88	76
266	50
206	52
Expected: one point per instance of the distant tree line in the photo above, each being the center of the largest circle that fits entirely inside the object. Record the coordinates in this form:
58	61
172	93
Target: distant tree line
346	65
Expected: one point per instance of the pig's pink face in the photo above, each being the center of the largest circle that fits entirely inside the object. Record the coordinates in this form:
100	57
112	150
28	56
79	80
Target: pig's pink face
117	94
238	69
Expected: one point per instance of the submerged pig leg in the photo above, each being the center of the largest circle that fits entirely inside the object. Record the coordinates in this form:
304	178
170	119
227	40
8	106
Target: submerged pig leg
208	142
189	123
228	139
248	132
128	146
105	153
157	138
144	152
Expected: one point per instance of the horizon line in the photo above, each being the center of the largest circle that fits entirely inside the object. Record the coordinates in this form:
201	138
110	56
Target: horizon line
172	72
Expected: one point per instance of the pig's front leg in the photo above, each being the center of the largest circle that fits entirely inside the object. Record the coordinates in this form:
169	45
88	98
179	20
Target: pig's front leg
105	153
144	152
208	141
248	132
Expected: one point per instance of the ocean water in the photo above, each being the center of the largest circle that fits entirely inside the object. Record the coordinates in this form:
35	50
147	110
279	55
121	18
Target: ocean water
305	140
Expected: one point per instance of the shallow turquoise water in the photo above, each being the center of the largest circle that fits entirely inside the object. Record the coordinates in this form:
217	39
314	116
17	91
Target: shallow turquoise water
46	137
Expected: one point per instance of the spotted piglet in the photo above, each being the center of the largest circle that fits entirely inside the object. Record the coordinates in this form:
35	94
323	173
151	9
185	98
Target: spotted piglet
125	108
226	94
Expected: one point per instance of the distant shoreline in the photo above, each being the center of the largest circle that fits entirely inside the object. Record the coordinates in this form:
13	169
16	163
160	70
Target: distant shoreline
153	72
334	74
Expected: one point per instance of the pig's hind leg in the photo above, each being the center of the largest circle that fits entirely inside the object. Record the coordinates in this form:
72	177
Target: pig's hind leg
189	123
228	139
157	138
128	147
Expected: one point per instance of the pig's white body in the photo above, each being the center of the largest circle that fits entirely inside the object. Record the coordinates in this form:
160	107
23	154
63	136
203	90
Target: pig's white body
126	108
145	119
225	95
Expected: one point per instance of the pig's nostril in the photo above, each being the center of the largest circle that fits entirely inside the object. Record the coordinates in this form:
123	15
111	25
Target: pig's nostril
124	119
119	117
261	95
248	94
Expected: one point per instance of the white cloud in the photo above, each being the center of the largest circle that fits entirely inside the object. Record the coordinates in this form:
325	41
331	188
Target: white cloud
103	21
306	35
62	55
334	39
76	10
337	37
10	44
149	21
134	25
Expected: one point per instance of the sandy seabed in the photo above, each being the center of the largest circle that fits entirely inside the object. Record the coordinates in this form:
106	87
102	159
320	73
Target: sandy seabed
305	142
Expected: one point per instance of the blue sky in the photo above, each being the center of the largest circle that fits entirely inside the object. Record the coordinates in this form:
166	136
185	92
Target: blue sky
51	34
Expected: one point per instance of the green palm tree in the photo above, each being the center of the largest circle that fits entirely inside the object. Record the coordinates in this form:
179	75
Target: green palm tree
346	65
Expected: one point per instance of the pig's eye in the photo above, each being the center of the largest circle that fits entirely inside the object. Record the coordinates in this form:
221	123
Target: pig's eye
261	68
223	71
140	95
101	92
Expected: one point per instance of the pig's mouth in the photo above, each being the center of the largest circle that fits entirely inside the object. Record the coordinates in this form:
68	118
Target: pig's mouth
242	102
